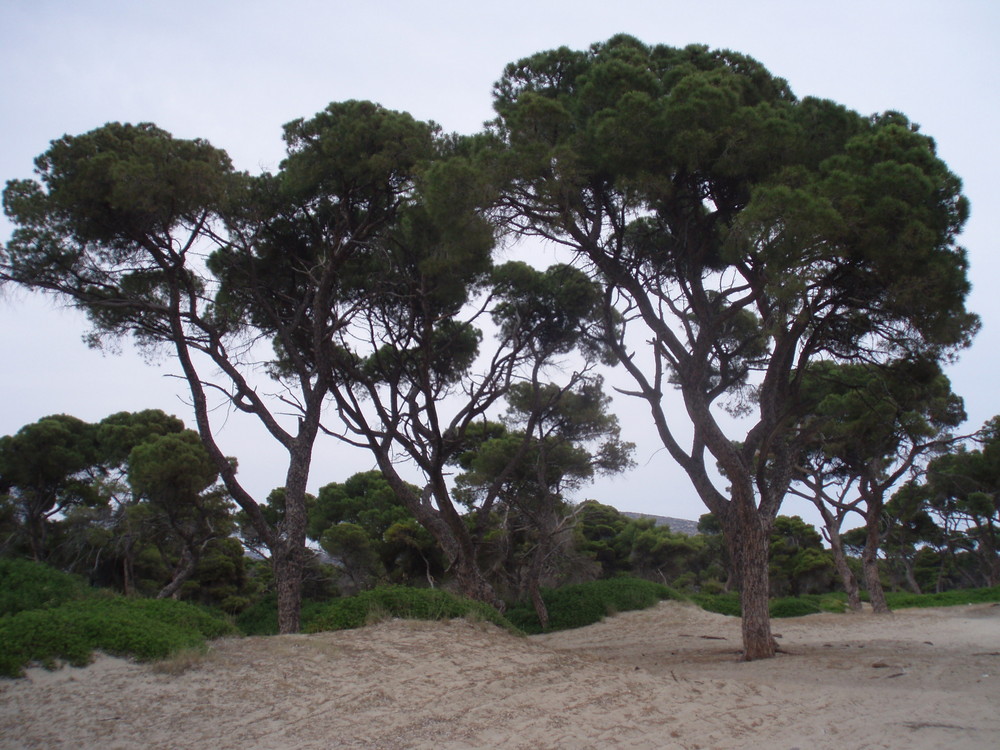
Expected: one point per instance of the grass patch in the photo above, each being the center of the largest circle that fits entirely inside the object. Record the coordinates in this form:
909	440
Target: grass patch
145	629
182	661
387	602
582	604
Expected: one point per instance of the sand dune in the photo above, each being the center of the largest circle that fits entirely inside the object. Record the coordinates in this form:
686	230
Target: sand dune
661	678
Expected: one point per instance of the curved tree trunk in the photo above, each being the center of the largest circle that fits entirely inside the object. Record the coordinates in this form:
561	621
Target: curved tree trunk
910	573
184	570
448	529
847	577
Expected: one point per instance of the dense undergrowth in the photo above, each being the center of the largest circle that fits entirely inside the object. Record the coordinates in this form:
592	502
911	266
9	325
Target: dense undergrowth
797	606
48	617
583	604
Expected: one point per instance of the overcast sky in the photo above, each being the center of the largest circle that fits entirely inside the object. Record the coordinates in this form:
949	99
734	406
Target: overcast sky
234	71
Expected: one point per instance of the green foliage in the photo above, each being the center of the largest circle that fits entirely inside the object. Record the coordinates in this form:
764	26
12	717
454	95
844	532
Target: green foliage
583	604
28	585
261	617
142	628
790	606
723	604
798	563
43	470
960	597
365	499
398	601
793	607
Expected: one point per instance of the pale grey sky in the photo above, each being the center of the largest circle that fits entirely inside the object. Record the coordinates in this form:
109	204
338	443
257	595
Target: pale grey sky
234	71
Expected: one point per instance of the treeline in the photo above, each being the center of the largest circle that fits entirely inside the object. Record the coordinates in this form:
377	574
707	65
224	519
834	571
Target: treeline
133	503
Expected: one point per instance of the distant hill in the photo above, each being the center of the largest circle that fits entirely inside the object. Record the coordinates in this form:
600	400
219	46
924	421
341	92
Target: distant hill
677	525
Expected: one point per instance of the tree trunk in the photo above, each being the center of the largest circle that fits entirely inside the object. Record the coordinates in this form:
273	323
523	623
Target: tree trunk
289	559
36	523
847	577
185	568
287	566
448	529
748	541
535	586
869	562
911	578
472	584
831	528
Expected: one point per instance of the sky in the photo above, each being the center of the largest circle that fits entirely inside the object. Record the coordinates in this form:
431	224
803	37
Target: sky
234	71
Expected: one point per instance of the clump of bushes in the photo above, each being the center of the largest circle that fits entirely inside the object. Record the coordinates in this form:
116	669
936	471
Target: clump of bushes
582	604
29	585
53	617
261	617
724	604
957	597
789	606
397	601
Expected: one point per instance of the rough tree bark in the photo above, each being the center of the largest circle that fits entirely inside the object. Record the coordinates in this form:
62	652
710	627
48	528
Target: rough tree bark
747	538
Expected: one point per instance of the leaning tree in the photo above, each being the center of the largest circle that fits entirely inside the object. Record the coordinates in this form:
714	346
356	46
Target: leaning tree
739	233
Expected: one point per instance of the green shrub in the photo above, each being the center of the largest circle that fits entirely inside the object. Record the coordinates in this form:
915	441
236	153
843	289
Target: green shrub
582	604
794	606
397	601
723	604
142	628
790	606
28	585
836	603
958	597
261	617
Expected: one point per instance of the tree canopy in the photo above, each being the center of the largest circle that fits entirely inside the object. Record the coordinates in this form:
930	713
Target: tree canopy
746	233
721	236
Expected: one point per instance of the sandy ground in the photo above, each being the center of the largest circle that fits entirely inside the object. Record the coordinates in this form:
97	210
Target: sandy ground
661	678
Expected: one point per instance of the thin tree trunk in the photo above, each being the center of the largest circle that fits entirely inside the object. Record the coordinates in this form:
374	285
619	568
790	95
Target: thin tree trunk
847	577
869	562
911	578
185	568
534	583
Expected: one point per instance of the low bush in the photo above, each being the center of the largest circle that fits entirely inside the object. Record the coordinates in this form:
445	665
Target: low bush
28	585
261	617
794	606
582	604
723	604
958	597
789	606
145	629
397	601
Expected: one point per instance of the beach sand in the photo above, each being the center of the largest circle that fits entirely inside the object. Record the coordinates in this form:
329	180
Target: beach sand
667	677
